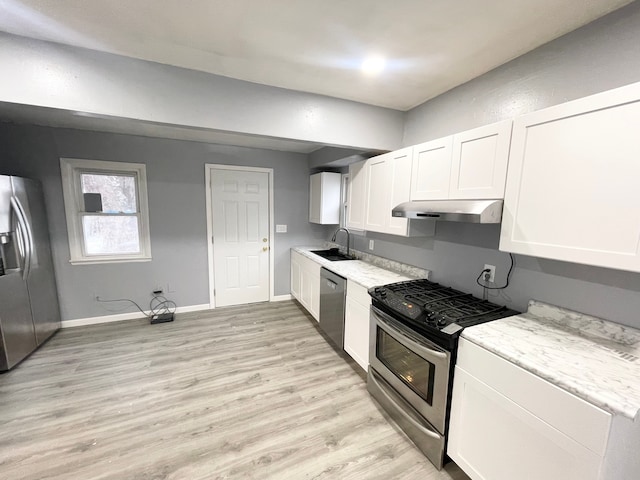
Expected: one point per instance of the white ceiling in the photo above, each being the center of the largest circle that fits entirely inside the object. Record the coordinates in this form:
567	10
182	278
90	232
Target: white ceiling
314	46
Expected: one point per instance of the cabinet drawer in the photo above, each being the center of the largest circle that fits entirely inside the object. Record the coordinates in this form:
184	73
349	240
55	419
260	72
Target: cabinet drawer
358	293
576	418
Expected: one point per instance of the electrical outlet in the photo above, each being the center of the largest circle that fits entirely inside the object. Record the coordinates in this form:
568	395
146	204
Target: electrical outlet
370	244
170	288
492	272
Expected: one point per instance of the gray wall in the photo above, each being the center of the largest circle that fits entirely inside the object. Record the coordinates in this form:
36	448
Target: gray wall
599	56
76	79
176	188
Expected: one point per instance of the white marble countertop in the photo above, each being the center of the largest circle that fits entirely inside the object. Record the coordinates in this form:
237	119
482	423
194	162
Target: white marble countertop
363	273
596	360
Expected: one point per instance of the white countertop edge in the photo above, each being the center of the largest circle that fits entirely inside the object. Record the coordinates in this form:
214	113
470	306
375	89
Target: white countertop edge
598	395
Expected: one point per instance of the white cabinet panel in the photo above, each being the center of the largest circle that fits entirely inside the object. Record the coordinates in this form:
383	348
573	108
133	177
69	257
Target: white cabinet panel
400	180
576	418
431	170
388	181
356	324
305	283
295	276
324	198
356	202
572	188
493	438
479	162
507	422
378	189
466	166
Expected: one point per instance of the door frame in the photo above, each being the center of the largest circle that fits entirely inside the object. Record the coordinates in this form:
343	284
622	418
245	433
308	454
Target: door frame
209	169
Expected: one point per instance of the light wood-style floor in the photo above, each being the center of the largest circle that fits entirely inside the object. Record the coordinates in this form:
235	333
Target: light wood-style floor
249	392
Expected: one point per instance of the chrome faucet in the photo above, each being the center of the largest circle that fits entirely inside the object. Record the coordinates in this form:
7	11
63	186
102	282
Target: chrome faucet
333	239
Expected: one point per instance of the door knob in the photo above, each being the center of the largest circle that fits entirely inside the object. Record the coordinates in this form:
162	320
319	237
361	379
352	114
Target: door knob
264	249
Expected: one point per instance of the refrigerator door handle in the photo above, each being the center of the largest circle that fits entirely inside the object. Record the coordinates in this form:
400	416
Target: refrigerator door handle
26	237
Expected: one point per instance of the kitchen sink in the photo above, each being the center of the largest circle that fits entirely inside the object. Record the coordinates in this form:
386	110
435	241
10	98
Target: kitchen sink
332	254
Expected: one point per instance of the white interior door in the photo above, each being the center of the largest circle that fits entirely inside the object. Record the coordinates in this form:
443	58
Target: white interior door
241	243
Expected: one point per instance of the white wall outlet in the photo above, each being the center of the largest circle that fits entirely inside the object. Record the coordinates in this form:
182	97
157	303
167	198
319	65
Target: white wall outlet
281	229
492	272
370	244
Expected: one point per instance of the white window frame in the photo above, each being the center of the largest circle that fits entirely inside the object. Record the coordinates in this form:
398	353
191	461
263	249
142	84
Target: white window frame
344	198
71	170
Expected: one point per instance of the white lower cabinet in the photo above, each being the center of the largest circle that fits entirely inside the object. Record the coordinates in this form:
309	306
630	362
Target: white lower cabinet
356	324
305	283
507	423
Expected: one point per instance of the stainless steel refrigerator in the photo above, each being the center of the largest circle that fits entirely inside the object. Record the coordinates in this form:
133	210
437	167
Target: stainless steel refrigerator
29	309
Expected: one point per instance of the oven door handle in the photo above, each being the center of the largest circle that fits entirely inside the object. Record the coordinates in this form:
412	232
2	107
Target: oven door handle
405	337
402	408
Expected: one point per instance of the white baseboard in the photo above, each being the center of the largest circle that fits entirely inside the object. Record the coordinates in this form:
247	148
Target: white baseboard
281	298
78	322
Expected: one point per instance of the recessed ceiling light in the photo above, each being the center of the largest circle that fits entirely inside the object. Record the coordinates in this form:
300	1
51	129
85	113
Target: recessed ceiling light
373	65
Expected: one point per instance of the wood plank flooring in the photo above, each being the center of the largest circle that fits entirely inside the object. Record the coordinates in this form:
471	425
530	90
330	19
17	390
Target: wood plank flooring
250	392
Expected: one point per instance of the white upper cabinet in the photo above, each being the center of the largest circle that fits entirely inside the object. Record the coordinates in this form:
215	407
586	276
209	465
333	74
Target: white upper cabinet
356	201
479	162
377	194
469	165
388	181
324	198
431	169
572	190
398	182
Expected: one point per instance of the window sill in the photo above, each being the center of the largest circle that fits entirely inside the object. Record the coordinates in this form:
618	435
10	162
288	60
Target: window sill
95	261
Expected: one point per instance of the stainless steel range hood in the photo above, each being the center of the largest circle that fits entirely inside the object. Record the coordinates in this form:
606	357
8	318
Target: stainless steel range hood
469	211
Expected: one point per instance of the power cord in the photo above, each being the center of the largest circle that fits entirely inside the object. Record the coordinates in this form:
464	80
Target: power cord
486	270
158	304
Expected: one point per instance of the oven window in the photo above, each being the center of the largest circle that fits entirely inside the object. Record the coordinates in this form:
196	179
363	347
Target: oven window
416	372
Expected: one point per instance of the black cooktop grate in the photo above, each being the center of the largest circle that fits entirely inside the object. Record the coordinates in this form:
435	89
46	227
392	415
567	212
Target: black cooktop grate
432	306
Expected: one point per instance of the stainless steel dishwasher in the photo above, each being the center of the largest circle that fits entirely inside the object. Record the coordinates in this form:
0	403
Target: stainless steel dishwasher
332	302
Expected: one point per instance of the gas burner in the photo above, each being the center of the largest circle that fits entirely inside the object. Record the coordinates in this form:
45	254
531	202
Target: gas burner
430	307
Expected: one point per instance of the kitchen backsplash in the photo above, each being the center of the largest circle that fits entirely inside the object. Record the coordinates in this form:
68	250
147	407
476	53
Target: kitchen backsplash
381	262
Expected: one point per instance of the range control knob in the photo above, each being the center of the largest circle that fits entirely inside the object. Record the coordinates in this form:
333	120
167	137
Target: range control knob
442	321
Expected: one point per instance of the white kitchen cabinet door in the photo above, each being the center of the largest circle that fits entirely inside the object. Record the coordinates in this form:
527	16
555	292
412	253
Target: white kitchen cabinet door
295	276
493	438
377	193
324	198
479	162
572	188
305	282
310	291
431	169
399	182
356	324
356	201
388	181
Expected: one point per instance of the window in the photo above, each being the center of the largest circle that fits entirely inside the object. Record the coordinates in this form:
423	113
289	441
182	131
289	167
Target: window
107	212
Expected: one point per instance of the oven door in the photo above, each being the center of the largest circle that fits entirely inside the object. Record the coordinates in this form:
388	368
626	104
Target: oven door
417	369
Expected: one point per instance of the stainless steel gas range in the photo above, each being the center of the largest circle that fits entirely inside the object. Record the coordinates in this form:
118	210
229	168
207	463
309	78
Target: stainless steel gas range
415	327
